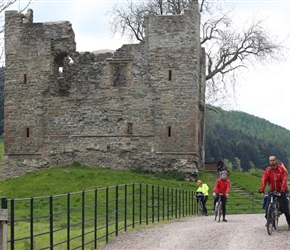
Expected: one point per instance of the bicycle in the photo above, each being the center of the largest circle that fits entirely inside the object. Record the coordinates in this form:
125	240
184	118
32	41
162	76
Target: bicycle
199	197
218	209
273	211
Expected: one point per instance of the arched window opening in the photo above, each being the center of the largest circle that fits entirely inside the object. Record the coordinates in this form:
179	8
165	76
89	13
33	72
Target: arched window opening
60	71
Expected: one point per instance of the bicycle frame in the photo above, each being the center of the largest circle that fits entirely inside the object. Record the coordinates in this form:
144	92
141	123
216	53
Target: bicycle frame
218	209
273	211
199	196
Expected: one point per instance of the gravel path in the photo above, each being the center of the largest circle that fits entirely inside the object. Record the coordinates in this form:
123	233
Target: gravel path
241	232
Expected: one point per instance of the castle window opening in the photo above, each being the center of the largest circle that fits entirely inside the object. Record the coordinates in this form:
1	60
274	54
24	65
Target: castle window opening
170	75
119	76
58	63
130	128
24	78
27	132
60	71
169	131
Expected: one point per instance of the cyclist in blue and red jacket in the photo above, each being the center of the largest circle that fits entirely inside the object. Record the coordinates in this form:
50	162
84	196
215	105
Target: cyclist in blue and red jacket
276	177
222	187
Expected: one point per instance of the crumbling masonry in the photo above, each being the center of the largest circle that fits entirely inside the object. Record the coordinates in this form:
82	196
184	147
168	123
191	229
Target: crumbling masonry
139	107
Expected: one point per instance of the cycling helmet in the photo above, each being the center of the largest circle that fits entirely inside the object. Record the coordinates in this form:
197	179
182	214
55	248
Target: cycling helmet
199	182
224	172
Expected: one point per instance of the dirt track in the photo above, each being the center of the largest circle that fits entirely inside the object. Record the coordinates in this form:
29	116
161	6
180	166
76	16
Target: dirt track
241	232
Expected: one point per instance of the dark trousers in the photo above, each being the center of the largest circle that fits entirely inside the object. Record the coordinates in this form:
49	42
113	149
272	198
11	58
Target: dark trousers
284	207
204	200
224	201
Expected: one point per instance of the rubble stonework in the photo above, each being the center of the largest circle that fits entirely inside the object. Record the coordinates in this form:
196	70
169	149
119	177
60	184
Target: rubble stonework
141	106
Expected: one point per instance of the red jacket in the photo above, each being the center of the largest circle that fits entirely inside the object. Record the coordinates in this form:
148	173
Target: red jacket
222	186
276	178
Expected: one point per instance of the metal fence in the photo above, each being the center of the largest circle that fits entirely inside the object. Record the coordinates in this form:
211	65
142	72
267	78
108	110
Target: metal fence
90	218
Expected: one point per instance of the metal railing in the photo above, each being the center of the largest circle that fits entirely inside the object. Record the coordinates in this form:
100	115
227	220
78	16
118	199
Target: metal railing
90	218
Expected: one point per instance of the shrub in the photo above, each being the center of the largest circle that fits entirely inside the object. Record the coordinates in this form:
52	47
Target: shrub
256	172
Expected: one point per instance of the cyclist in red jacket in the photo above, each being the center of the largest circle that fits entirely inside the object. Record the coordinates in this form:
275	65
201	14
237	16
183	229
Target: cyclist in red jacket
222	187
276	177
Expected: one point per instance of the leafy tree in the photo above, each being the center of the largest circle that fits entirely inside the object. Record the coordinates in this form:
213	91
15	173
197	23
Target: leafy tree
251	165
237	165
228	165
228	48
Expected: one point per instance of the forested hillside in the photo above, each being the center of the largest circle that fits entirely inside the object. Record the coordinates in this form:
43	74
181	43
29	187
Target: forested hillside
246	141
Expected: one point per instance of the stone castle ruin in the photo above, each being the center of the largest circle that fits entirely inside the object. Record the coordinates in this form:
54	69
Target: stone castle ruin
141	106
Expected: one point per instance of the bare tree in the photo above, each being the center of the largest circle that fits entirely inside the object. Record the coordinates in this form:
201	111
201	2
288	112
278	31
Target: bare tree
228	49
128	18
4	5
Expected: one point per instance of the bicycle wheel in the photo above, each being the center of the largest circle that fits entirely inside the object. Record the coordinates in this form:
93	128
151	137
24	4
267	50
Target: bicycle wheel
270	219
219	211
200	205
216	211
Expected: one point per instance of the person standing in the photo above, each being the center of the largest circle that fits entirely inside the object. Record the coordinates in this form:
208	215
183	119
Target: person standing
276	177
220	166
222	188
203	188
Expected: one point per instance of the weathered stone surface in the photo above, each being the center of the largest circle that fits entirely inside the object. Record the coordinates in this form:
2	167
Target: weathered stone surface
141	106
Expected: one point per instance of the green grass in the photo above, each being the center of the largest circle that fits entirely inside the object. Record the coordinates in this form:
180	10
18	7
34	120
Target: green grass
73	179
68	179
61	180
246	181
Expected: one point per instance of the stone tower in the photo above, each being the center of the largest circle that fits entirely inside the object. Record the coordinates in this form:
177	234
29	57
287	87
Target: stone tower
141	106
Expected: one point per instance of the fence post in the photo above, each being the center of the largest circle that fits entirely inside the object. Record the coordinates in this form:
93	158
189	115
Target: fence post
3	224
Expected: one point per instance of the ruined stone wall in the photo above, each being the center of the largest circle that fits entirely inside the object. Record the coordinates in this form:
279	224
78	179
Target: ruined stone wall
139	107
91	124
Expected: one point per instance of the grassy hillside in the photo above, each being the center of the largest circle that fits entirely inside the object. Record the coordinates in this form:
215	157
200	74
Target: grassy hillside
66	179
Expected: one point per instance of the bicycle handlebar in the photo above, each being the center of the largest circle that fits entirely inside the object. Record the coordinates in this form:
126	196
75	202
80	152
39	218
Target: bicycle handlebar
275	193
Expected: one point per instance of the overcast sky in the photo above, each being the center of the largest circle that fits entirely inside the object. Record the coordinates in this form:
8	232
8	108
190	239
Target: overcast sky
262	91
